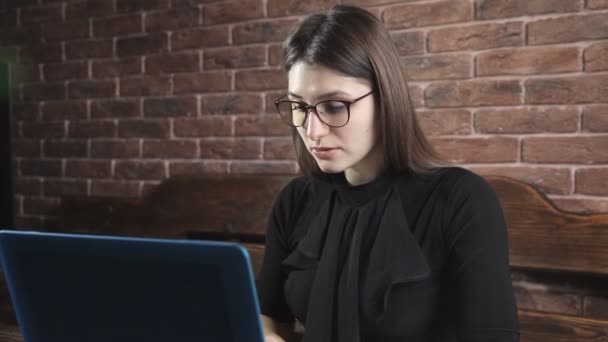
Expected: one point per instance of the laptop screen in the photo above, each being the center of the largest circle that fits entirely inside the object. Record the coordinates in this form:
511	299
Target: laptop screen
103	291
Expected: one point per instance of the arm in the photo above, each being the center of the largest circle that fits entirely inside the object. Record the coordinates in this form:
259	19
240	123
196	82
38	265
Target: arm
270	330
277	318
276	331
478	260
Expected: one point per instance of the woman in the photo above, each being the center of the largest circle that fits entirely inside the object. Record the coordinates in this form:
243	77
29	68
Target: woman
377	242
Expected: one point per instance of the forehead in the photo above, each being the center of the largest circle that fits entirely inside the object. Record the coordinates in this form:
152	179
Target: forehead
311	80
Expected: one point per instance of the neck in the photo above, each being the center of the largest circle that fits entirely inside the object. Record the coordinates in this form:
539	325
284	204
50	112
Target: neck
367	169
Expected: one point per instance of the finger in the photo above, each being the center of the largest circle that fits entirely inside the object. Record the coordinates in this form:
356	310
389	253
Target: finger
273	338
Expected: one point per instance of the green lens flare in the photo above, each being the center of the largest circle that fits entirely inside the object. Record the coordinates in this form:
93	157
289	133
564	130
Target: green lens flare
8	61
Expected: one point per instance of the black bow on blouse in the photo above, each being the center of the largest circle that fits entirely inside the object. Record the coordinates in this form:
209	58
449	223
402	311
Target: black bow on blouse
356	262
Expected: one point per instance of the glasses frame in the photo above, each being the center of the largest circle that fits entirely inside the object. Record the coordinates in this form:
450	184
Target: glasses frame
308	107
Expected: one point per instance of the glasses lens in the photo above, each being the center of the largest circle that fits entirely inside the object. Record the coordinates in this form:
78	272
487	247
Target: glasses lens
333	113
292	113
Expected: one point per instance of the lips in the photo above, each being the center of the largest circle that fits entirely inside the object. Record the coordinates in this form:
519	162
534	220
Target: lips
324	152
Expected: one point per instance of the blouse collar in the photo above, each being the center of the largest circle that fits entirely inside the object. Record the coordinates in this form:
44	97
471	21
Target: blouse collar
357	194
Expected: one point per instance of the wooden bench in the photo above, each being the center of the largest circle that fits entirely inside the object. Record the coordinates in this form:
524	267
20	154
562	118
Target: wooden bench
235	207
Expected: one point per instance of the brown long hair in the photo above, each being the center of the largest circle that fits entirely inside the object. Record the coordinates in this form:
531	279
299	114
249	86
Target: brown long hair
352	41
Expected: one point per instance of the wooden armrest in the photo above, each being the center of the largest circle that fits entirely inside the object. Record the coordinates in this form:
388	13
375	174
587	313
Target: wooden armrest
543	327
10	333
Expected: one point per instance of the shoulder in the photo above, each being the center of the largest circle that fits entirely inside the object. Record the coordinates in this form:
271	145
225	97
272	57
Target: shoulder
469	200
449	188
295	188
286	205
293	192
455	183
444	182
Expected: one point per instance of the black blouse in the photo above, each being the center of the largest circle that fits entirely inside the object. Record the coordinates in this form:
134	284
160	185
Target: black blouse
403	258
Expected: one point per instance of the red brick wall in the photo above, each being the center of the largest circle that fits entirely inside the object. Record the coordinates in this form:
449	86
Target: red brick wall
115	95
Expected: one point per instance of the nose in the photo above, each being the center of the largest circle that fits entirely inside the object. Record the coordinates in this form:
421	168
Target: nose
315	128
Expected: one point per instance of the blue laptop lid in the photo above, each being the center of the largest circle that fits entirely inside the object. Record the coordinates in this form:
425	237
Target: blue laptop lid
100	288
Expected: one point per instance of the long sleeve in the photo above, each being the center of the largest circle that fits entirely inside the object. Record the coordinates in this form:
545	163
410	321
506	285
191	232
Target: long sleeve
478	260
277	247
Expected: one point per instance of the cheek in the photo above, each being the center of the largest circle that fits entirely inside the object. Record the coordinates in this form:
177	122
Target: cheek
373	128
302	134
363	132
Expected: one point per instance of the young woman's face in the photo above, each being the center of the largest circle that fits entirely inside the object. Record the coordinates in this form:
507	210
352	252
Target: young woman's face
353	148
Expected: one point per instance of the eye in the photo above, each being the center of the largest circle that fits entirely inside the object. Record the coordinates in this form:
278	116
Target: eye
298	107
332	107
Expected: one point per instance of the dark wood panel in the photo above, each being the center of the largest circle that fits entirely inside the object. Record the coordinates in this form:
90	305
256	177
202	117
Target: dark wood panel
233	204
236	207
547	327
101	215
10	333
256	252
543	237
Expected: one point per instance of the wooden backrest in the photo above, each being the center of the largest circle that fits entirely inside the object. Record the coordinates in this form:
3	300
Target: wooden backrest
225	206
236	207
543	237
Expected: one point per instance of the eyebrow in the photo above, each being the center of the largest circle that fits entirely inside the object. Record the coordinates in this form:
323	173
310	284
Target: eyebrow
324	95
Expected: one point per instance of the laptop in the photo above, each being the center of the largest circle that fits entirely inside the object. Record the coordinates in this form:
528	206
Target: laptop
92	288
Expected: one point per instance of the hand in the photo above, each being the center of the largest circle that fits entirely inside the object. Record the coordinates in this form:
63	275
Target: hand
273	338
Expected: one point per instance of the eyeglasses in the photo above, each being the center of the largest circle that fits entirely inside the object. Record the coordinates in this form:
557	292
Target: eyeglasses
333	113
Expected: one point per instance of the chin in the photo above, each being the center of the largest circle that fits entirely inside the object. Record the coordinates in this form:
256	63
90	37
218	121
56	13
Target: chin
329	167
